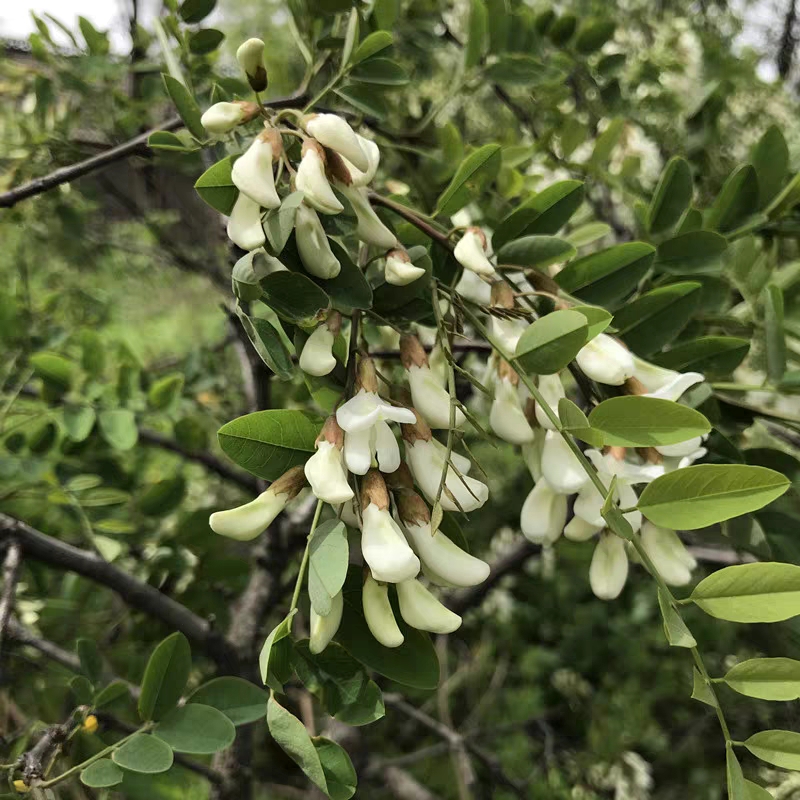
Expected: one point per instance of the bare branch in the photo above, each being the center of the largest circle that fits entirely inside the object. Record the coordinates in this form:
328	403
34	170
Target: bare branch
11	566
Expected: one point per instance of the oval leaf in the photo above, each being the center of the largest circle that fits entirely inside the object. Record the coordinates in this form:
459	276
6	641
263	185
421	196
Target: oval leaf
550	343
101	774
535	252
239	700
196	728
327	566
165	676
781	748
766	678
671	197
693	251
144	753
477	169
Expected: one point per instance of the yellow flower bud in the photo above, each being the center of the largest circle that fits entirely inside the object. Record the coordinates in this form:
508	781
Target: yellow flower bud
90	724
21	786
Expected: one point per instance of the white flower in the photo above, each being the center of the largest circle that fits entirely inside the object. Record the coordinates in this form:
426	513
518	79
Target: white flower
560	466
437	361
370	229
579	530
508	332
532	454
249	520
250	56
552	390
252	172
334	132
312	181
421	610
373	154
222	118
473	288
323	629
430	399
399	271
606	361
325	469
317	356
378	613
609	568
543	514
506	417
682	449
470	252
589	503
384	547
244	224
668	553
665	384
313	245
461	463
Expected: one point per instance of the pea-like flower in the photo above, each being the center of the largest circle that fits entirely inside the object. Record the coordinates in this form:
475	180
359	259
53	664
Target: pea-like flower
445	558
369	229
543	514
313	245
248	521
364	419
426	461
579	530
250	56
252	172
364	177
506	416
222	118
323	629
470	252
399	271
560	466
552	390
317	356
325	469
609	568
606	361
421	610
506	330
244	224
383	544
378	613
474	288
665	384
428	395
668	553
312	181
332	131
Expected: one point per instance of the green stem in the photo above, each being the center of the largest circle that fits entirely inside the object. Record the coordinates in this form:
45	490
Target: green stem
304	563
324	91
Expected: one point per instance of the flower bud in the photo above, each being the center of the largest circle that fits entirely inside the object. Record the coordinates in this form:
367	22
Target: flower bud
222	118
373	154
334	132
21	787
470	252
579	530
370	229
472	287
378	613
248	521
668	553
606	361
323	629
244	224
252	171
90	724
543	514
421	610
250	56
665	384
461	463
437	361
317	356
313	182
552	390
560	466
506	417
609	568
399	270
325	469
437	551
532	454
313	245
681	449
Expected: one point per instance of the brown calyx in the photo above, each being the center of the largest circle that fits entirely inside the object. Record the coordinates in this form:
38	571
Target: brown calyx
479	233
413	510
334	322
336	169
650	455
259	80
272	136
249	110
400	480
312	144
331	432
373	490
634	386
502	295
367	377
412	353
413	431
616	451
505	372
290	483
400	255
530	412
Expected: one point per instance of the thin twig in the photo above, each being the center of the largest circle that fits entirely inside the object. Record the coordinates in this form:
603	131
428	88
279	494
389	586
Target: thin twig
11	568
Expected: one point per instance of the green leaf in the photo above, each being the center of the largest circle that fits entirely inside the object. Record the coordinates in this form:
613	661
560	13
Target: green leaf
597	318
268	344
607	276
294	296
770	159
593	34
380	71
239	700
535	252
165	140
752	791
165	677
91	663
711	355
187	107
96	41
351	35
106	496
473	174
588	234
291	736
606	142
704	494
110	693
545	213
101	774
193	11
279	222
786	200
781	748
118	427
82	689
371	45
78	422
267	443
205	41
215	186
701	691
562	29
349	290
339	773
735	779
575	422
671	197
766	678
477	30
765	591
737	199
162	497
678	635
144	753
327	566
55	370
165	391
655	318
280	631
365	98
551	342
196	728
774	336
693	251
518	69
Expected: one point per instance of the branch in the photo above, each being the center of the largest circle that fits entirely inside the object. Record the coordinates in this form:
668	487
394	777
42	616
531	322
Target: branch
409	216
21	635
11	566
134	592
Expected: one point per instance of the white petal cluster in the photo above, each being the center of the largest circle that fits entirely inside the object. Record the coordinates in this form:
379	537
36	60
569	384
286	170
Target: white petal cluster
506	417
470	252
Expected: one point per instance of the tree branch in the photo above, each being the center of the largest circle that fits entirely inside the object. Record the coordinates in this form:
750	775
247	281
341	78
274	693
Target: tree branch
11	566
